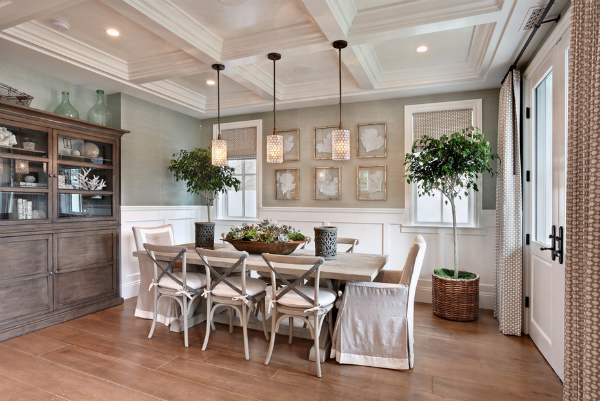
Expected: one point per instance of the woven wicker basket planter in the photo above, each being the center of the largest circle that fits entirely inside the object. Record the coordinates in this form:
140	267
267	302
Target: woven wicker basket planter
456	300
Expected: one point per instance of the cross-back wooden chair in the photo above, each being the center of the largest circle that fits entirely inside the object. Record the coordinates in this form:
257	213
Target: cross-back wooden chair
348	241
182	286
239	292
296	300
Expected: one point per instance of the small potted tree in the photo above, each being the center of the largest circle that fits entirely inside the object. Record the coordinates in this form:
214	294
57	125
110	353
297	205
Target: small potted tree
29	143
201	177
451	165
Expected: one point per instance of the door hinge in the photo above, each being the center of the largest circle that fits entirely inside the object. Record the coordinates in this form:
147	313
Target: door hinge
527	112
526	239
528	176
527	302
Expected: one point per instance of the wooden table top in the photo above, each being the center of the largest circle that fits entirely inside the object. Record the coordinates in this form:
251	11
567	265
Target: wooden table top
348	266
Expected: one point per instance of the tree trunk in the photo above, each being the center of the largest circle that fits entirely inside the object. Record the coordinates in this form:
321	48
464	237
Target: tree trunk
208	211
455	235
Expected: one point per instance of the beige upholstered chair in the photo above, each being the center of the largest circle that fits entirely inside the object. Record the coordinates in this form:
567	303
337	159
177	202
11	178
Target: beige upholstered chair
241	293
162	235
296	300
375	321
183	287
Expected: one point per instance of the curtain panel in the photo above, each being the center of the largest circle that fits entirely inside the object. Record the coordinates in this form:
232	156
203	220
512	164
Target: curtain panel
509	217
582	254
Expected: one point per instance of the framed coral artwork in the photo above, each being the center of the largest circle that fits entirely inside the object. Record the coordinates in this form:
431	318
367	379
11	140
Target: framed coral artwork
371	140
287	184
323	142
371	182
291	144
327	183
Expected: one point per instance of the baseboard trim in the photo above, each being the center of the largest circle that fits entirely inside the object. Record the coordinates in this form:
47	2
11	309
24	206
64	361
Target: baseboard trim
130	290
487	299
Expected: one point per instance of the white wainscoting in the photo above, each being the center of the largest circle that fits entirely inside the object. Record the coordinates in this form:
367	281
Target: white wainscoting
181	217
380	231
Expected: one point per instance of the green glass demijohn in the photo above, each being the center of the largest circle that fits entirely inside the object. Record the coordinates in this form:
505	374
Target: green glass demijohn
65	108
100	114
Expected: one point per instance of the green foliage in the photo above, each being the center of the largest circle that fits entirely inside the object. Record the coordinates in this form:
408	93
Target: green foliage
27	139
265	231
200	176
447	273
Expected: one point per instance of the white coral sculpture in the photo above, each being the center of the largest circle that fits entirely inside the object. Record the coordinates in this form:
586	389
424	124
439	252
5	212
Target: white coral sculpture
376	182
88	184
371	140
329	186
288	143
7	138
325	146
287	184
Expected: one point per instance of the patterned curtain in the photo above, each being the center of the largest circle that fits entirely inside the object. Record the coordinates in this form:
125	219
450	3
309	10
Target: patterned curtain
582	263
509	218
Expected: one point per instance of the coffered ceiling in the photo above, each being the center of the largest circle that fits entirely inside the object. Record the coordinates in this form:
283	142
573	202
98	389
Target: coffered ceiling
166	47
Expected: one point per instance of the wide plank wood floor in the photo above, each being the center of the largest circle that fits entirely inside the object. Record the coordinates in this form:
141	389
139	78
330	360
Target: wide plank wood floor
107	356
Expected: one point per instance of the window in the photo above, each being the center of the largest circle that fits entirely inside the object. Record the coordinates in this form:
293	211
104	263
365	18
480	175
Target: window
243	154
437	119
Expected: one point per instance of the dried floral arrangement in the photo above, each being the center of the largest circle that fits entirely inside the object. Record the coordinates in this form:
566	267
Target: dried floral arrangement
90	184
265	231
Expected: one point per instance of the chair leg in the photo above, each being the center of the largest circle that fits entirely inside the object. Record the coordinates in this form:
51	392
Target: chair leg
230	319
156	303
291	330
273	335
208	322
264	318
244	317
185	321
317	353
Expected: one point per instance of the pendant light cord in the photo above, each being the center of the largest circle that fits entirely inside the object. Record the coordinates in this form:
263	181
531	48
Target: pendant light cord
274	98
219	102
340	79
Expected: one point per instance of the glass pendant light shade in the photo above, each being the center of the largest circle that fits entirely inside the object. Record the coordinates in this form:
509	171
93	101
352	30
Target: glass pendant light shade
219	146
274	142
22	167
340	144
274	148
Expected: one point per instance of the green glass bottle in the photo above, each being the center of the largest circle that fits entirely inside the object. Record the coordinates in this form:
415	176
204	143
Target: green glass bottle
65	108
100	114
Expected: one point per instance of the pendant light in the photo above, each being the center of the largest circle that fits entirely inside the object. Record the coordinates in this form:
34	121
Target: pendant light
274	142
340	138
219	146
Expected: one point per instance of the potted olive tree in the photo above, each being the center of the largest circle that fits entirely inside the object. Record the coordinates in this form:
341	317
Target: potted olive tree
451	165
201	177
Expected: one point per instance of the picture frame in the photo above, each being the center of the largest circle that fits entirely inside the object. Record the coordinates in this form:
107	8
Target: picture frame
371	182
322	142
291	143
67	143
287	184
327	183
371	140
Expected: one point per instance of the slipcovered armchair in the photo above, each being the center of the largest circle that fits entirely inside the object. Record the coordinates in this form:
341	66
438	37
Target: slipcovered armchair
375	321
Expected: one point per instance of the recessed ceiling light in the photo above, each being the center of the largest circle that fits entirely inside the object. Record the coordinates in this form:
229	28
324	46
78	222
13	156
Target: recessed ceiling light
210	82
112	32
422	49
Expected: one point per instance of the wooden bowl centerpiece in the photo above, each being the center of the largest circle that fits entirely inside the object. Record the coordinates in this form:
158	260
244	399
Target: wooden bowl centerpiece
265	237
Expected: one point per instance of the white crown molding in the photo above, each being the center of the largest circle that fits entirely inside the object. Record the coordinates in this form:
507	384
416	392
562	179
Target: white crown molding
334	17
179	93
236	100
480	44
257	77
367	57
5	2
164	66
344	12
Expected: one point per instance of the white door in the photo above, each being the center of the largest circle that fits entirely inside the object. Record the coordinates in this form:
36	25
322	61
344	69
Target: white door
544	210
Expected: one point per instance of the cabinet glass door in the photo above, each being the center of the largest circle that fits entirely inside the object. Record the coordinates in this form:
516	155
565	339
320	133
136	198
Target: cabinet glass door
23	140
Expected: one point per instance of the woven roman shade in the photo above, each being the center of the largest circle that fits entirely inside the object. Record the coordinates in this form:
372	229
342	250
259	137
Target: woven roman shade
241	143
438	123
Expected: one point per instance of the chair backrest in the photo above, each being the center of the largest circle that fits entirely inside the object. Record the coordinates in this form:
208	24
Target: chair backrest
214	277
162	235
412	269
348	241
313	269
164	268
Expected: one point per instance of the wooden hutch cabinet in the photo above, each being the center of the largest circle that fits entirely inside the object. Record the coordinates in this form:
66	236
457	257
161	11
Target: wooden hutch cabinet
59	233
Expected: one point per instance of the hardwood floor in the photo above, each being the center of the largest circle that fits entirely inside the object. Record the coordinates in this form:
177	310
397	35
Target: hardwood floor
107	356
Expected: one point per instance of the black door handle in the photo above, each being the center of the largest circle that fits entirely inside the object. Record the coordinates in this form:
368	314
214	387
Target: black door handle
556	240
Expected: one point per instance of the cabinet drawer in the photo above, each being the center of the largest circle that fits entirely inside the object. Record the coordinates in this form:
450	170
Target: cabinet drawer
85	249
19	298
80	286
24	256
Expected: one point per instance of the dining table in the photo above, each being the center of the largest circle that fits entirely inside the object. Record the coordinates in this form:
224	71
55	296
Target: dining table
346	267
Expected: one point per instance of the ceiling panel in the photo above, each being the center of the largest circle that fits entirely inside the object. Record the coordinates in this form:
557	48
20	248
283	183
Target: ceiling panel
197	83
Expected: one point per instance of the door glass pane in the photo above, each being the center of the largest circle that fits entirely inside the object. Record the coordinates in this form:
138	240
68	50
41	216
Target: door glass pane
543	160
23	173
23	206
77	205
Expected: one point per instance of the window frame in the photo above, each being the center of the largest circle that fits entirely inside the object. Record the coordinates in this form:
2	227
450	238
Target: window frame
410	191
221	209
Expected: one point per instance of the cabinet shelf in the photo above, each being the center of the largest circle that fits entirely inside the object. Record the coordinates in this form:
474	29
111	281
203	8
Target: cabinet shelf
84	192
62	157
85	164
22	149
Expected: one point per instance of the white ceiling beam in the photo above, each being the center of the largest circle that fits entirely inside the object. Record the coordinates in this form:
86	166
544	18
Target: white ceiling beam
164	66
15	12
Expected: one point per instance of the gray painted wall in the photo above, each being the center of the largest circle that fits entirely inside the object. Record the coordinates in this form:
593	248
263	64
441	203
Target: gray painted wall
156	133
389	111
